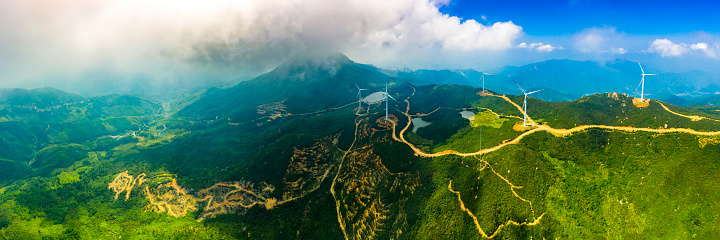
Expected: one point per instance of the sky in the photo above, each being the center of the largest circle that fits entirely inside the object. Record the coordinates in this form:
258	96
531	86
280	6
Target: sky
74	44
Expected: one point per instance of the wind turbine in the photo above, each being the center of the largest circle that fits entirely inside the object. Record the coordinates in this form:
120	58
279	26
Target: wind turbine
525	102
386	100
642	82
359	96
483	80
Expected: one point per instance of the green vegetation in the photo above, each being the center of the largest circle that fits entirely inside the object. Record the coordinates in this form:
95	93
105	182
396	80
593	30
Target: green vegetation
40	97
58	156
321	173
489	119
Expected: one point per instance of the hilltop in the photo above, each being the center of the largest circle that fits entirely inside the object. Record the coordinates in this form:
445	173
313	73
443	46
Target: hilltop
39	97
305	83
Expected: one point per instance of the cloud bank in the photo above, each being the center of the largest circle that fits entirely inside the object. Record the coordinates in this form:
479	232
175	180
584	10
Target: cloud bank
667	48
165	41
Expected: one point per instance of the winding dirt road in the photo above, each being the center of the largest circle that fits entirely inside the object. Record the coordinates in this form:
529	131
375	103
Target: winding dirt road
554	131
694	118
477	224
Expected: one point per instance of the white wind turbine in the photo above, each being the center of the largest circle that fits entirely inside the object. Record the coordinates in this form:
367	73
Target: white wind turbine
386	100
483	80
642	82
525	102
359	96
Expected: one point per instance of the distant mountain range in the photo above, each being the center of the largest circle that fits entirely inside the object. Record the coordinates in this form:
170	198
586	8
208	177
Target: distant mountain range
322	80
570	79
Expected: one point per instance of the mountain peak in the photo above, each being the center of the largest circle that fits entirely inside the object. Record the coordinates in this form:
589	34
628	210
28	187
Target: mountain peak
311	64
321	56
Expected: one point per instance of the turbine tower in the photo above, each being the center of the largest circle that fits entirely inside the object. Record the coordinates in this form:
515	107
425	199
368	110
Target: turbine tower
359	96
386	100
642	82
483	80
525	102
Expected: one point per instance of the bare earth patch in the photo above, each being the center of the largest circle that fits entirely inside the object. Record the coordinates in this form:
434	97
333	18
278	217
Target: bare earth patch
638	103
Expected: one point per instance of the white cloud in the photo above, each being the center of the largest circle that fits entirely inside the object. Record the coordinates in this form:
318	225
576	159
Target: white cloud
172	35
538	46
699	46
667	48
546	48
705	48
590	43
600	40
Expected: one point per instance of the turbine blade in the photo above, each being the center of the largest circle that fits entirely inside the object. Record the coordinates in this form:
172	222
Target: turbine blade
641	69
357	86
521	89
388	95
535	91
650	74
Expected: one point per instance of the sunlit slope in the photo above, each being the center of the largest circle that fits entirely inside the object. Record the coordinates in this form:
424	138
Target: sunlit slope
593	183
616	110
305	83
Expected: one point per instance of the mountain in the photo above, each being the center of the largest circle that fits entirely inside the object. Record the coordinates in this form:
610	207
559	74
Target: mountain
588	77
40	118
671	98
39	97
570	79
314	166
305	83
711	100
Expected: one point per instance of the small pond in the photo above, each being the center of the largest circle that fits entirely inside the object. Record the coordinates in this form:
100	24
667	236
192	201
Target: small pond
375	97
418	123
468	115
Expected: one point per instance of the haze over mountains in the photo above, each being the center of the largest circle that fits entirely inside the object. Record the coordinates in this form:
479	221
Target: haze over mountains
563	80
572	79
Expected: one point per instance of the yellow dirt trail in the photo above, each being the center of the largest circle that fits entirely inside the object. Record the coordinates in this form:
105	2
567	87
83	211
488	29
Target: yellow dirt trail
694	118
554	131
477	224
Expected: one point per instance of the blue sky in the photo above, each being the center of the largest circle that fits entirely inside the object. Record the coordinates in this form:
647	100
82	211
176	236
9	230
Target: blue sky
676	36
543	18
